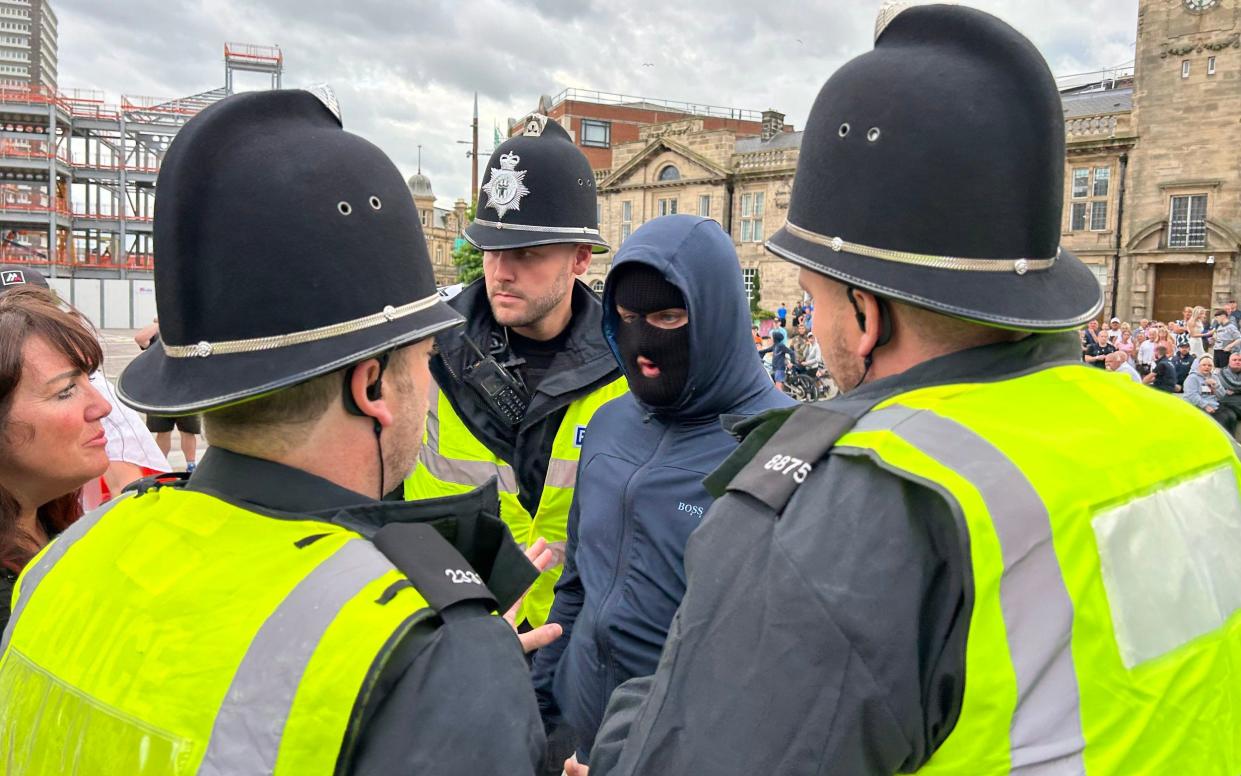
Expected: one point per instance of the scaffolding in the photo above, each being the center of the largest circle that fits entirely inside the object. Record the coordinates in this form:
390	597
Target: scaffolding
77	173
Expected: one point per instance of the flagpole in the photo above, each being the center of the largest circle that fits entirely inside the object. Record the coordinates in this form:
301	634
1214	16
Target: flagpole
474	155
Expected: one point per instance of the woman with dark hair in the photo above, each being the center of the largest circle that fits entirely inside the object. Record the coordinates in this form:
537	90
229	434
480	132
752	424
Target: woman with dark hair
51	438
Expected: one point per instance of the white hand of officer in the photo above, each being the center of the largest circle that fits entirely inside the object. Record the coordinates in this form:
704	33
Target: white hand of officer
542	558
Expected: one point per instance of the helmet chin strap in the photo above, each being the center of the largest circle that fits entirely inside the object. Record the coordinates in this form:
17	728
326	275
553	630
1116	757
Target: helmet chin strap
885	331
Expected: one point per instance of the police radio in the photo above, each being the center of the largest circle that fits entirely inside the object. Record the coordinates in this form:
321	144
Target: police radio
503	392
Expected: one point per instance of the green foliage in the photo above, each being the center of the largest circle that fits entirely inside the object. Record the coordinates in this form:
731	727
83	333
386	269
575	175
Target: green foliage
467	258
756	293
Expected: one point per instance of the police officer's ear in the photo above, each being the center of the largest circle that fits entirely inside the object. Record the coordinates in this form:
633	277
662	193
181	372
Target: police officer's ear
874	320
364	390
581	259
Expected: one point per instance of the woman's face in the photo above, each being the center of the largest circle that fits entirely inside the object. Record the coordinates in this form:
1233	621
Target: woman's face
53	441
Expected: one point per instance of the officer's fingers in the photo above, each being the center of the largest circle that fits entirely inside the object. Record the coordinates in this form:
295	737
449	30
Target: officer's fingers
544	561
536	549
539	637
573	768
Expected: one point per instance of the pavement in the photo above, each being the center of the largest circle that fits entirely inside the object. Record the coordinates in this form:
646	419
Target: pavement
119	349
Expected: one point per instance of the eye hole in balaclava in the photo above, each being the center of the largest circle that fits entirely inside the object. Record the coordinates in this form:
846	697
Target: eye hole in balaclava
659	378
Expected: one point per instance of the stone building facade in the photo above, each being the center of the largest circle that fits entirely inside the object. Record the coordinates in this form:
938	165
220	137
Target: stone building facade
682	166
441	227
1160	157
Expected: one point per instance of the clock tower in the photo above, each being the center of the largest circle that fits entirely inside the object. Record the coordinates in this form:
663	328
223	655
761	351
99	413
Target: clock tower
1182	225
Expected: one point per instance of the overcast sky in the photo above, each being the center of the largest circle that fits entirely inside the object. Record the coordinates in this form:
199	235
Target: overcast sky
406	70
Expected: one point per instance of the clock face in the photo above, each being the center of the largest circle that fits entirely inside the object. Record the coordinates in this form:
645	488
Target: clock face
1200	5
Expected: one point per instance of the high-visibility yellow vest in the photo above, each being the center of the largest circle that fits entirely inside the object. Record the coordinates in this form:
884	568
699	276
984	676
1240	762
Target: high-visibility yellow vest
186	635
1105	633
452	461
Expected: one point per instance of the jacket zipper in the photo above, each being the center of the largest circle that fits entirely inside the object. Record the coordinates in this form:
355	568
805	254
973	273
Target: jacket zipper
622	566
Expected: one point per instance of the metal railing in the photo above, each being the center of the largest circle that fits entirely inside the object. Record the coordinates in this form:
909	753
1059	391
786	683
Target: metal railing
251	51
33	257
690	108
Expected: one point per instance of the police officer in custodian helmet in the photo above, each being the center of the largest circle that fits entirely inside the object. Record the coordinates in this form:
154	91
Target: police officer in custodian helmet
270	614
919	577
515	388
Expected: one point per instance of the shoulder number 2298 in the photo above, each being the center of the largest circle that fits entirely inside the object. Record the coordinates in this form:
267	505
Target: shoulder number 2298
789	467
461	577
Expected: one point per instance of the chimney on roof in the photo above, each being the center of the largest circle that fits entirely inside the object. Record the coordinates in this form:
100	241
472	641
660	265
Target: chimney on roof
773	124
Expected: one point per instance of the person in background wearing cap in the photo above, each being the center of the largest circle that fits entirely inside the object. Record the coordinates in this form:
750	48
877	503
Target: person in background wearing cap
269	614
132	454
675	315
927	574
1113	330
515	389
1183	361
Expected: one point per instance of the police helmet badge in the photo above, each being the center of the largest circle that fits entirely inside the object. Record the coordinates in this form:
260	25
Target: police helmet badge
505	188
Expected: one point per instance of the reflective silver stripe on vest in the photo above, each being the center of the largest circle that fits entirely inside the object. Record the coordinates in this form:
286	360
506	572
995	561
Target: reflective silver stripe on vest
458	470
32	576
561	473
250	723
462	472
1046	731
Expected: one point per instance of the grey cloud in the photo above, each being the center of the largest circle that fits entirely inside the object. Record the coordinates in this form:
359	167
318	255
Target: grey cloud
406	71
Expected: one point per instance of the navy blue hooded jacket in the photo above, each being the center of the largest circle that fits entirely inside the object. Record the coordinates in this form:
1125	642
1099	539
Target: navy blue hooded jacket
639	490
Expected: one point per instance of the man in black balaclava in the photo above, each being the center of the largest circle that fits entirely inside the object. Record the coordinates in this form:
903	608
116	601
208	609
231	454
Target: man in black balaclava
655	352
676	317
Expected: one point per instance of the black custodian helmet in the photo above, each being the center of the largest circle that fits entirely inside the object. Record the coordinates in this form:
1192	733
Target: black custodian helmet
539	189
286	248
931	172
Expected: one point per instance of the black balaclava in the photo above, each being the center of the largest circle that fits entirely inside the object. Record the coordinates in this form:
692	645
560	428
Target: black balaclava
643	290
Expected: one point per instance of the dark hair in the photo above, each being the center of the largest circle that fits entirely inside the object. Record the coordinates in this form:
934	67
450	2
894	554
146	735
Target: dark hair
25	312
1220	312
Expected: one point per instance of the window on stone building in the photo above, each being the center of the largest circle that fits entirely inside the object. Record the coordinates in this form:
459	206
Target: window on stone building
704	205
1210	65
1100	274
1185	69
1081	182
1187	222
1098	216
750	276
597	286
1102	175
752	206
439	253
626	218
1077	217
1090	185
667	207
596	133
670	173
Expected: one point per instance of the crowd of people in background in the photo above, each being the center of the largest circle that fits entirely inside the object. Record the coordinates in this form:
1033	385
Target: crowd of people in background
790	344
1198	356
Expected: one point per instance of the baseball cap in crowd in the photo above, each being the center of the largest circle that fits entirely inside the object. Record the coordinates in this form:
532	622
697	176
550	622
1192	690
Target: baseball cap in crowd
14	275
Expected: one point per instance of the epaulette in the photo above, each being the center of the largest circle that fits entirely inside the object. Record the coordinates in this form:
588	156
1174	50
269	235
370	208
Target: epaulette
789	453
438	571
